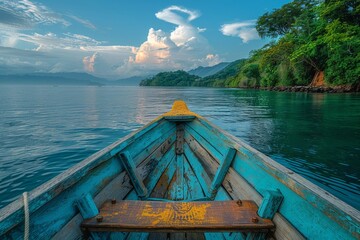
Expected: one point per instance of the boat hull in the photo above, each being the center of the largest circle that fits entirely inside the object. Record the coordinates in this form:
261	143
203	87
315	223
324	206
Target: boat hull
177	157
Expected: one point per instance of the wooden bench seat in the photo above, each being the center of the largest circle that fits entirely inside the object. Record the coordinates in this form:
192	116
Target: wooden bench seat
158	216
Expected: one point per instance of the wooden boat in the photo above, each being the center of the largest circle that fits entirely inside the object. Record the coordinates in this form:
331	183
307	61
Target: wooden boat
179	177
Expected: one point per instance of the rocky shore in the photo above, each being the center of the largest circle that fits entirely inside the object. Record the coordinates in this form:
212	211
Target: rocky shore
311	89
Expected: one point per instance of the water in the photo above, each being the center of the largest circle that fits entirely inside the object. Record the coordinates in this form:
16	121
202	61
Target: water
44	130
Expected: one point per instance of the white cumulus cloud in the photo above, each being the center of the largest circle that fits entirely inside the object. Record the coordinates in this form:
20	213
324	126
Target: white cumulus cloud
244	30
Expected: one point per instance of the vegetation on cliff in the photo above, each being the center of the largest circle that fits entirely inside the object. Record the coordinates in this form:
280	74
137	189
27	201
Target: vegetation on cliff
314	42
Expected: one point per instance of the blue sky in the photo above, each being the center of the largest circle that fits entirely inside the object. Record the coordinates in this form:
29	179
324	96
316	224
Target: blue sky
119	39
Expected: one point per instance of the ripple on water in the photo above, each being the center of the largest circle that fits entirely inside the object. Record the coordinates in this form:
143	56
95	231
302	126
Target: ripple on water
45	130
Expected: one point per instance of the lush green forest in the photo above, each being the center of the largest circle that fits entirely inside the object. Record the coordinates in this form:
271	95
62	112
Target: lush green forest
178	78
313	43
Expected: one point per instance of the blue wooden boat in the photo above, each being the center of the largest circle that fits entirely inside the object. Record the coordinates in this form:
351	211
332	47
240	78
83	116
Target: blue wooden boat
179	177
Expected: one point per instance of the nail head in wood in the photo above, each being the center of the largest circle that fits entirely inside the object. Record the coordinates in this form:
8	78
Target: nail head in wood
99	218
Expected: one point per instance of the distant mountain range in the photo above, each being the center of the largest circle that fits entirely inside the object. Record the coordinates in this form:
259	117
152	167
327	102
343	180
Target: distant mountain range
207	71
85	79
67	78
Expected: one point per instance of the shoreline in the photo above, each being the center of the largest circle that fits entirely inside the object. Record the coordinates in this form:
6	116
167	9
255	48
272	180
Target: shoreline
311	89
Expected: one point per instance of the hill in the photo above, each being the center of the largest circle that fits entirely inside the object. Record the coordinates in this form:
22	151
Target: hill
220	78
177	78
207	71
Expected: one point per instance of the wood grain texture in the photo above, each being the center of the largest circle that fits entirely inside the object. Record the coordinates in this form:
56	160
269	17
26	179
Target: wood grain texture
179	216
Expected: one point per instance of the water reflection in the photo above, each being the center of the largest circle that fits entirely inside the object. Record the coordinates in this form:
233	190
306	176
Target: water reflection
45	130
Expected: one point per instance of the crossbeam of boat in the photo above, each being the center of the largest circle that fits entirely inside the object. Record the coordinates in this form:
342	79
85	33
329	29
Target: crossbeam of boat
156	216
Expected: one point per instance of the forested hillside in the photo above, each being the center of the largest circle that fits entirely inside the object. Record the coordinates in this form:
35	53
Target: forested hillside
314	43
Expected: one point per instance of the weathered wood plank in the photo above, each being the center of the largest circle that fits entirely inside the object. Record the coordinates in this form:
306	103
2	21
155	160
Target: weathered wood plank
207	139
194	189
180	177
159	236
221	172
134	176
152	179
201	175
194	236
178	216
137	236
270	204
164	181
179	138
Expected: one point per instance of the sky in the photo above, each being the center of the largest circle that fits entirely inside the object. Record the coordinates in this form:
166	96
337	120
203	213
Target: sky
120	39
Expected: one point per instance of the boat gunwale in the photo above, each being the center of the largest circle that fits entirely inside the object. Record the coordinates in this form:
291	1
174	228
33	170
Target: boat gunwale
299	183
53	187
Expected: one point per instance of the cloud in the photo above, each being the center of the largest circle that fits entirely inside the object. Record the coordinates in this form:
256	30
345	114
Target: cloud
169	15
89	62
24	13
84	22
244	30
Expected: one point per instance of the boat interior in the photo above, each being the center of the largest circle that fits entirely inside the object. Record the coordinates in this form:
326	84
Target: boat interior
176	172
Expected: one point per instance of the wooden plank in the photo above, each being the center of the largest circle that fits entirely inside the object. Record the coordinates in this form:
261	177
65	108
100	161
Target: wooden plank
270	204
180	177
209	162
135	178
158	236
319	208
87	207
221	172
179	138
177	236
201	175
170	192
152	179
207	139
179	216
194	236
164	181
194	190
137	236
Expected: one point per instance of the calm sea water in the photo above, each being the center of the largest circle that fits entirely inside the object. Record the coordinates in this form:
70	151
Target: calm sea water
44	130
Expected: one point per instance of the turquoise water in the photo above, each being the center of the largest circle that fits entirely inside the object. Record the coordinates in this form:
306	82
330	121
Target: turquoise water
44	130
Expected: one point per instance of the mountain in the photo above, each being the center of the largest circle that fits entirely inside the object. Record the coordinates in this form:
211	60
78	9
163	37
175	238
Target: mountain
62	78
218	79
207	71
131	81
